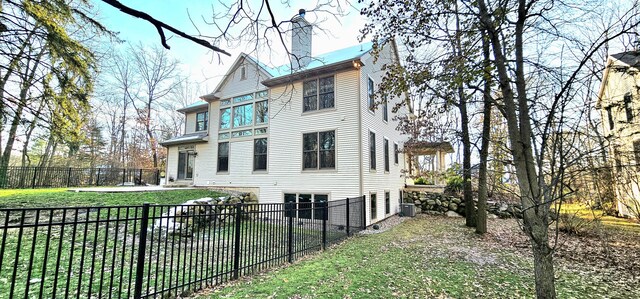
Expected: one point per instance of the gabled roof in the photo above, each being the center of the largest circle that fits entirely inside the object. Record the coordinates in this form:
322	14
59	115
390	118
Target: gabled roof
242	57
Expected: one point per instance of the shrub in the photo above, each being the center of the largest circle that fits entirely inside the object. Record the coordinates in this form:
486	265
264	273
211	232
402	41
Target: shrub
575	225
454	183
420	181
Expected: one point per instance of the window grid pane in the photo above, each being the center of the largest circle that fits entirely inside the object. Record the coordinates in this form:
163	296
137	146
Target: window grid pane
225	118
395	153
387	202
310	150
371	95
374	205
326	93
243	115
262	112
327	149
310	95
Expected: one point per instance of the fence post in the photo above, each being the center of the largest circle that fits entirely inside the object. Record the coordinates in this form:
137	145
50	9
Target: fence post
142	244
33	182
69	178
236	248
364	212
325	215
98	177
348	213
124	173
290	233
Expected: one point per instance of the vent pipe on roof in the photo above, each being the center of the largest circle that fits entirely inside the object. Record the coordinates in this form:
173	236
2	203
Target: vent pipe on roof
300	41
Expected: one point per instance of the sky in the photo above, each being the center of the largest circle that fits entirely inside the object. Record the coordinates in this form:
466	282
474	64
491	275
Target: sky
202	65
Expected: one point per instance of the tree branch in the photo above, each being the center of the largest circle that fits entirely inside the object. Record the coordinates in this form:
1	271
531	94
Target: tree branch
161	25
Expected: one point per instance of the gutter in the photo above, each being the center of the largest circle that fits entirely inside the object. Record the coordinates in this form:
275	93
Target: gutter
316	71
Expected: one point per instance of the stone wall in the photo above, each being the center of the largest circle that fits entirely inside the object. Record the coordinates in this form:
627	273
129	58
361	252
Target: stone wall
441	204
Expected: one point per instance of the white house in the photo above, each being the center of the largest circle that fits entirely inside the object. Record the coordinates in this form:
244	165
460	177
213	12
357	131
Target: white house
303	132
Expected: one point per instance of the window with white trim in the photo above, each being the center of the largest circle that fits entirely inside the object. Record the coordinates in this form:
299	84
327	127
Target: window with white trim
318	150
372	150
202	119
318	94
244	116
371	95
386	154
260	154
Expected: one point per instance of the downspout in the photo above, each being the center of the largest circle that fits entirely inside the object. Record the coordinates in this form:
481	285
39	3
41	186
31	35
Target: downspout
360	176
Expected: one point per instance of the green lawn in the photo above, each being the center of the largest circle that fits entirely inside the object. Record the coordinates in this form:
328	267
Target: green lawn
60	197
429	257
592	217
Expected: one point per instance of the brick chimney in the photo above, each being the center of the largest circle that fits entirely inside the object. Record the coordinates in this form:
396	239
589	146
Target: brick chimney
300	41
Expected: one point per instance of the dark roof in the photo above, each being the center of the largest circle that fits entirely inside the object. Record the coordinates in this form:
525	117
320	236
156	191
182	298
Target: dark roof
187	138
631	58
199	105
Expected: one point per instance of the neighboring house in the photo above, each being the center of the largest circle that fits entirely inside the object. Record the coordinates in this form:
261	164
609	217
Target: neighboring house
310	134
619	101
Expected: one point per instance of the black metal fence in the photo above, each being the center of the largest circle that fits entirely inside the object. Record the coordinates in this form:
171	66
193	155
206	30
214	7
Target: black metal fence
159	250
52	177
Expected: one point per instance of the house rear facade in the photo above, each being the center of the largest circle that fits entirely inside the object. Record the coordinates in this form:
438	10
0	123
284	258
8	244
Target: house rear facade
619	101
305	132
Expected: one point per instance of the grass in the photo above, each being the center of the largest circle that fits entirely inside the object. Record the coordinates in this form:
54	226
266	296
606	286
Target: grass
426	257
609	222
60	197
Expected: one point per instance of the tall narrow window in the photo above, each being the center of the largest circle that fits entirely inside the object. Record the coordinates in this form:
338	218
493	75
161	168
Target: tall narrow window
372	150
223	156
262	112
327	149
318	94
260	154
243	73
225	118
387	202
610	117
318	150
202	119
395	153
628	108
386	155
374	205
385	110
371	94
310	151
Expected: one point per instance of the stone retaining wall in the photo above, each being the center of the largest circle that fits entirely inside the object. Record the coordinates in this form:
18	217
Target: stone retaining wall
441	204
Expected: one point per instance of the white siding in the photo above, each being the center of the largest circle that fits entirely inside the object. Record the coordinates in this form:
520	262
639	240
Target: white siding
379	181
351	121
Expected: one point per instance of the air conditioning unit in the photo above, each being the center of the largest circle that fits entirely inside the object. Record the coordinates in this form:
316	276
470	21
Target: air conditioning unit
408	210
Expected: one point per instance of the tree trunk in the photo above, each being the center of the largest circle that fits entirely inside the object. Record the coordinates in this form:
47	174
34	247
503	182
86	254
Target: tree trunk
543	265
481	221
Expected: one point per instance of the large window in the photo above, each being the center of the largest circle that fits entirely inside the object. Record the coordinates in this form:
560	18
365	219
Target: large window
260	154
223	156
318	94
372	150
395	153
243	115
318	150
371	97
246	115
387	202
185	165
373	201
202	119
306	205
386	155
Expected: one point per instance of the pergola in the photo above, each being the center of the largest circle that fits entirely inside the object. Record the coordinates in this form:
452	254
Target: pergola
437	150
